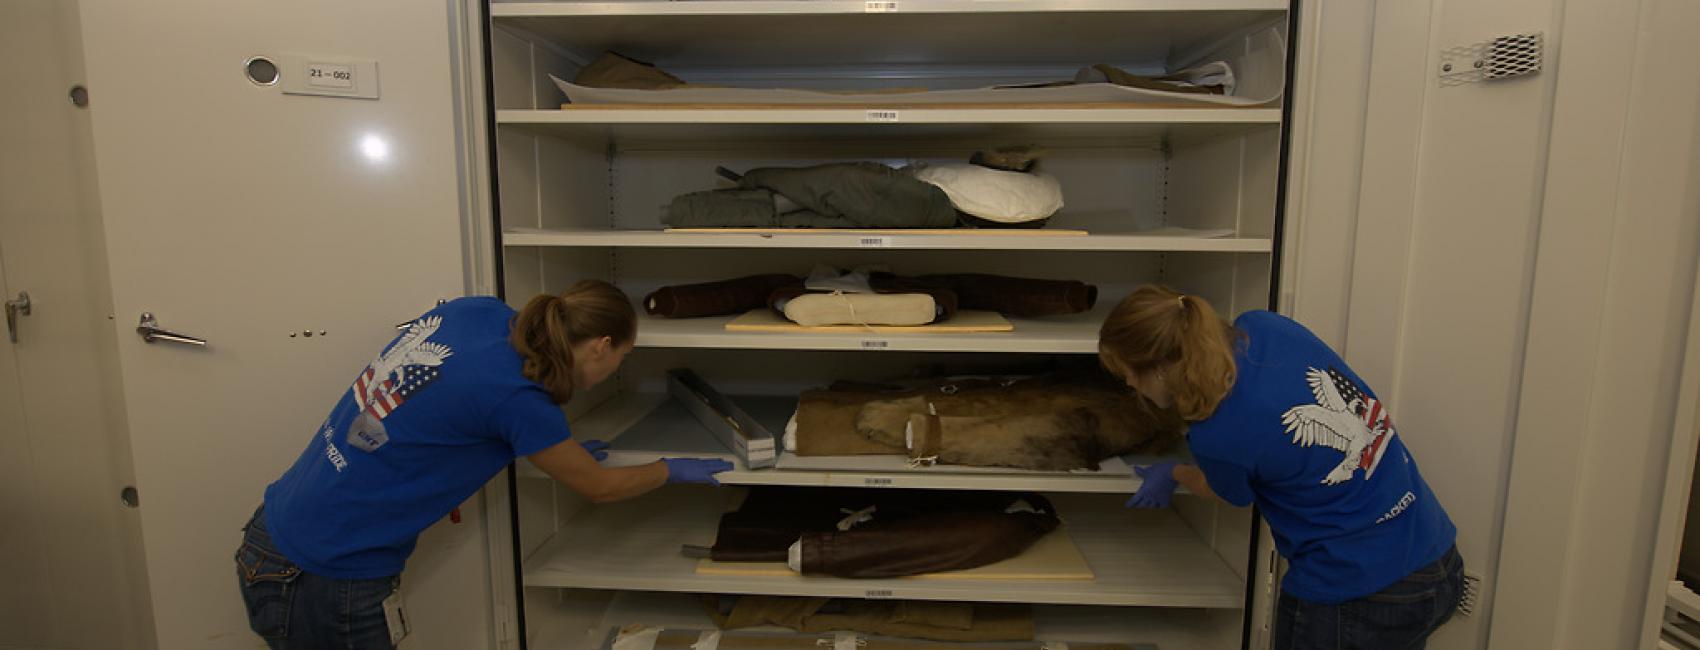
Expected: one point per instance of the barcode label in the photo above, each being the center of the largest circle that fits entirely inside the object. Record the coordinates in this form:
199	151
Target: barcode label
883	116
878	593
881	6
875	344
876	242
876	482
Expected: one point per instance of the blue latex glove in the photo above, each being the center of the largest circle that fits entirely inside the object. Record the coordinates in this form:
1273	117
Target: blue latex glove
1159	486
596	448
695	470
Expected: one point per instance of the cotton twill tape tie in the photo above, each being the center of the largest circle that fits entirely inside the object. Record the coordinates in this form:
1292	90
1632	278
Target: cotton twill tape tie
930	460
855	319
709	640
637	637
842	641
858	517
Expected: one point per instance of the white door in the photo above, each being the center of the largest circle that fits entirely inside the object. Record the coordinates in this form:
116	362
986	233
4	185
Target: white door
292	233
69	550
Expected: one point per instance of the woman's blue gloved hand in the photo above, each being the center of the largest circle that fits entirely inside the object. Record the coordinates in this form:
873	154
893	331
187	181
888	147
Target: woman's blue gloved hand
1159	486
596	448
695	470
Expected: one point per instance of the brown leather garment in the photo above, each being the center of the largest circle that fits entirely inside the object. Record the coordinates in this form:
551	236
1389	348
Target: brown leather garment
911	531
1023	297
947	541
721	298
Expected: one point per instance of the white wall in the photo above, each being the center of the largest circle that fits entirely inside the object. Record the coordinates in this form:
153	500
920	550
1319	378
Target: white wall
1609	323
1509	264
68	550
1412	251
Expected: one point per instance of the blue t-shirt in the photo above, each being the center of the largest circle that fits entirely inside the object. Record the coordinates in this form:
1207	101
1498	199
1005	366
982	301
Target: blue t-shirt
440	411
1302	436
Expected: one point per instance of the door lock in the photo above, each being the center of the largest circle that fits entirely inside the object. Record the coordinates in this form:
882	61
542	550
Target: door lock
15	308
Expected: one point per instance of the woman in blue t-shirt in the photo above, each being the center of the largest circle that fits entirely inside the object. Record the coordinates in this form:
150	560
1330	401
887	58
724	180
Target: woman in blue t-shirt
1279	420
467	388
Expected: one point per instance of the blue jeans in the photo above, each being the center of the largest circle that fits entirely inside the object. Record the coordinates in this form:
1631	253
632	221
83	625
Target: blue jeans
295	610
1400	617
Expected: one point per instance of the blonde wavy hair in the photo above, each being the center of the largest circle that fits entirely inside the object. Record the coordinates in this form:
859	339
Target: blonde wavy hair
1160	330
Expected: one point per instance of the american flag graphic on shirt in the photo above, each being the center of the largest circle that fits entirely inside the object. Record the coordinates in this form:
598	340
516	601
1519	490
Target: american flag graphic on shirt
1344	418
408	366
1374	416
380	398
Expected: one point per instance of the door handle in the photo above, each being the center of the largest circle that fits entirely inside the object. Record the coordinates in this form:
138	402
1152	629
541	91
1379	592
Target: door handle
15	308
150	331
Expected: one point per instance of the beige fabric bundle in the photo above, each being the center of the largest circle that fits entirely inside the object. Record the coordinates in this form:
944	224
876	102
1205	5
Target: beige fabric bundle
821	309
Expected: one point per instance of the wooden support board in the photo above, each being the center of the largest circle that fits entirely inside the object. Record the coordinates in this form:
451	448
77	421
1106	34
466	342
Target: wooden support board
909	106
889	232
964	322
1053	558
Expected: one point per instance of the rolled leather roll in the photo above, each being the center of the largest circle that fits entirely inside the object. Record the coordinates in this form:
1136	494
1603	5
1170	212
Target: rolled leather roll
908	532
1023	297
946	541
720	298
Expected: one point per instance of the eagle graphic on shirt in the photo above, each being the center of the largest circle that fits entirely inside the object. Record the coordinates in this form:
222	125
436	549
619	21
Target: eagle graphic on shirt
407	366
1344	418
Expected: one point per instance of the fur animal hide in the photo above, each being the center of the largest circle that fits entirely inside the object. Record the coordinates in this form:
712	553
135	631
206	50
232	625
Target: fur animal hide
1052	422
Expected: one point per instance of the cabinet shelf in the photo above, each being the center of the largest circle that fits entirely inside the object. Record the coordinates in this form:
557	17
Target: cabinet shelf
687	125
1141	557
820	33
1168	628
646	427
503	10
1167	240
1075	334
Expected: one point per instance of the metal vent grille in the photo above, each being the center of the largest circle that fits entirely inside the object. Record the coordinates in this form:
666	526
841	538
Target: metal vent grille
1504	57
1511	56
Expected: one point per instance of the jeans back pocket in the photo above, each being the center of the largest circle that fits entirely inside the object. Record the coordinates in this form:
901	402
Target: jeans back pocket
268	588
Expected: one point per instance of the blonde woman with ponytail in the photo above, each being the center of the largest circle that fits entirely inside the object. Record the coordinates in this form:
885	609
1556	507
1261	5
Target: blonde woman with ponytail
465	389
1279	420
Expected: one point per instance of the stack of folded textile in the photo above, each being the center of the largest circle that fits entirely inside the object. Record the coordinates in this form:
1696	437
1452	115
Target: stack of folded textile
866	296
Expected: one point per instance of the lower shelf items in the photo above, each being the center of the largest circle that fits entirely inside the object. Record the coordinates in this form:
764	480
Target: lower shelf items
1140	557
566	625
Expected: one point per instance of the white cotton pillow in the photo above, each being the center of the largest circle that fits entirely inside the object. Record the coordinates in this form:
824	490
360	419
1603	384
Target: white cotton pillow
995	194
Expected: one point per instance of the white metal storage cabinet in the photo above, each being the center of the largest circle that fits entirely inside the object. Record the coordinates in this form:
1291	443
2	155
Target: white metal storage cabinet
580	192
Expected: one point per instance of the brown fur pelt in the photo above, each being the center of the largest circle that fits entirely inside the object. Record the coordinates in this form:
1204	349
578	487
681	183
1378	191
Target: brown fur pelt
1051	422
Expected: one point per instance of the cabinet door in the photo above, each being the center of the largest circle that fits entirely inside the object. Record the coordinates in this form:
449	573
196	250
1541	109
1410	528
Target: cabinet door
292	233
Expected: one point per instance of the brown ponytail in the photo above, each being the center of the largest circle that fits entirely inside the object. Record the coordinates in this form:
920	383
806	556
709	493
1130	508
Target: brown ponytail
1158	329
545	330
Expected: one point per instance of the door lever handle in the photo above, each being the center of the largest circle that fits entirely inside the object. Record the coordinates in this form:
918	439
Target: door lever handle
15	308
150	331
